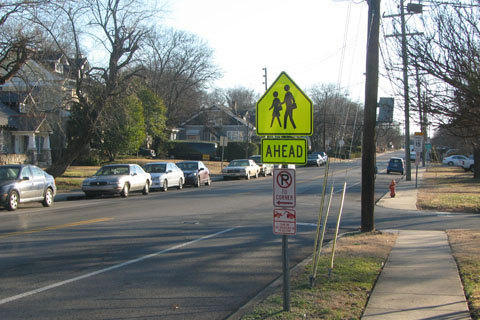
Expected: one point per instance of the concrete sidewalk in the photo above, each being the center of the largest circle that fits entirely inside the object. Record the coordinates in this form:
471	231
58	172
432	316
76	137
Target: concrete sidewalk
420	279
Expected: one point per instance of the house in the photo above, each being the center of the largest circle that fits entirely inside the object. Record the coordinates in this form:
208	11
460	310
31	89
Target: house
214	122
35	106
24	138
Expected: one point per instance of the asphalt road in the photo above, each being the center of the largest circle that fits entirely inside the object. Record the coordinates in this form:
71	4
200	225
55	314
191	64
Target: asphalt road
184	254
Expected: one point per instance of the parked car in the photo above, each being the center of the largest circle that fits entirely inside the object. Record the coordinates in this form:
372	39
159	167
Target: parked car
149	153
454	160
396	165
25	183
241	168
196	173
468	164
314	159
323	155
165	175
265	168
117	179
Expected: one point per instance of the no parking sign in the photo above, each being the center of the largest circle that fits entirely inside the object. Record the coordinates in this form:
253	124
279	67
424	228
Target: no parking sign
284	191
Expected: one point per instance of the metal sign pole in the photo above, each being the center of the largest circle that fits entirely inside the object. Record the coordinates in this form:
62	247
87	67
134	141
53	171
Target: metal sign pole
286	274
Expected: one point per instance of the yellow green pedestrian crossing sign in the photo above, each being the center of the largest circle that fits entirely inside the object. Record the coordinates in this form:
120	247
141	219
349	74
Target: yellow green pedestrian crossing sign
284	110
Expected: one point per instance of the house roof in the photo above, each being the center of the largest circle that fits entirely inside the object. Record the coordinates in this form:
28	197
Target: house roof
5	114
29	123
224	109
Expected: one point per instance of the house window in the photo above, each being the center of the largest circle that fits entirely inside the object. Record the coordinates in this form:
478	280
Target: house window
193	134
235	135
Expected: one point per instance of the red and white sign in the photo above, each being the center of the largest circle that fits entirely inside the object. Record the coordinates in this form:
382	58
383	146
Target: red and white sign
284	192
284	221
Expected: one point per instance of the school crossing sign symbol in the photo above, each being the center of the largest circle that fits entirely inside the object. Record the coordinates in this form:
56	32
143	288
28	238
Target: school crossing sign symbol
284	110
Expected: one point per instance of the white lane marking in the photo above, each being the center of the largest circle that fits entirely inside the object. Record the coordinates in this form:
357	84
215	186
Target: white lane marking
117	266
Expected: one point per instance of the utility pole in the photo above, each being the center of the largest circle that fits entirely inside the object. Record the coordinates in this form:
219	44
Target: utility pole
408	175
265	76
371	95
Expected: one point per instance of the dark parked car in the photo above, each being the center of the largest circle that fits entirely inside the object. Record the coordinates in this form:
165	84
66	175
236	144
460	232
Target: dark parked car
196	173
25	183
396	165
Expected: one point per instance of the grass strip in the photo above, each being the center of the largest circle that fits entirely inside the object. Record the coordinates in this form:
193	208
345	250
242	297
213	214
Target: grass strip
359	261
465	245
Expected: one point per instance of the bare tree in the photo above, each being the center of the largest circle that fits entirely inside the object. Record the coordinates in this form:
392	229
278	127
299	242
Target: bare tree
336	118
116	25
16	40
241	100
449	53
179	66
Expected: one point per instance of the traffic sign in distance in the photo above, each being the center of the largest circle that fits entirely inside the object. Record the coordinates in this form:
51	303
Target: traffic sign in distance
284	191
293	151
284	110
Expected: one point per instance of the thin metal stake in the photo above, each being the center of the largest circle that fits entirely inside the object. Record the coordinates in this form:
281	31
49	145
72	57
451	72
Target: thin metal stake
286	274
338	227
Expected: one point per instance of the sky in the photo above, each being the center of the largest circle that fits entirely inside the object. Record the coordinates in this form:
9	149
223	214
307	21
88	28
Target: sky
313	41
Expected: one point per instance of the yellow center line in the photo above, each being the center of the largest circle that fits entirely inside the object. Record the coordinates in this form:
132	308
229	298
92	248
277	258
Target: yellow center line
66	225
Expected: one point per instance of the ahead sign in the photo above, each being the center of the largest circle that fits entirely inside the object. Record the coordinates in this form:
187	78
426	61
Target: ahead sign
284	193
293	151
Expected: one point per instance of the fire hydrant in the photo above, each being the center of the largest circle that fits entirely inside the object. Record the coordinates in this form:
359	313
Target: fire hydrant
392	188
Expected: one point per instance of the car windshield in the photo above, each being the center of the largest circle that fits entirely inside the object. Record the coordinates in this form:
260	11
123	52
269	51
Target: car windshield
112	170
258	160
188	165
239	163
313	156
156	168
7	173
395	161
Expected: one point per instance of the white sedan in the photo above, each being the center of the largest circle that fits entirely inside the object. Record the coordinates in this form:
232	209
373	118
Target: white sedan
245	168
455	160
165	175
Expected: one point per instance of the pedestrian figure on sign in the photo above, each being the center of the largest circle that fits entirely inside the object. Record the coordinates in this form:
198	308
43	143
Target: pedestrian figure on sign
289	101
277	107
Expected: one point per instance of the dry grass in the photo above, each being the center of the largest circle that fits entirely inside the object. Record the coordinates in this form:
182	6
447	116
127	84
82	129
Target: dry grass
449	189
358	262
466	250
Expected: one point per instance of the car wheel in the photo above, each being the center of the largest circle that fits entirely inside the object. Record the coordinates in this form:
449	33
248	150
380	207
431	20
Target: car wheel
180	184
48	198
388	172
248	175
165	186
146	189
89	195
12	203
197	182
256	175
209	181
450	163
471	168
125	191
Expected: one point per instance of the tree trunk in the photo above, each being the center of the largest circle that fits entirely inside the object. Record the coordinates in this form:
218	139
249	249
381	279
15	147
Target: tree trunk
476	163
73	151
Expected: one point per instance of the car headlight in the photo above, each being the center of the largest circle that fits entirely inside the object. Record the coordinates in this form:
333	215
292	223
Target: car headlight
192	174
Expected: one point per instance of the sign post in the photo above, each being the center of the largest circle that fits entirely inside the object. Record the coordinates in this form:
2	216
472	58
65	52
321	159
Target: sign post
418	148
284	110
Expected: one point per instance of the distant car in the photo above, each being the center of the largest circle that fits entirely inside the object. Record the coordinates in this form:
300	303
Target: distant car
455	160
165	175
117	179
241	168
149	153
25	183
196	173
314	159
323	155
396	165
468	165
413	156
265	168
